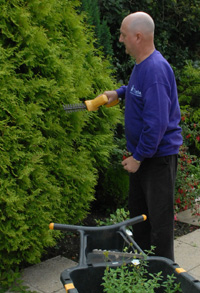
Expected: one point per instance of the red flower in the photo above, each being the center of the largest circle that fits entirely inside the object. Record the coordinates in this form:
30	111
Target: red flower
188	136
183	158
183	118
198	138
178	200
180	191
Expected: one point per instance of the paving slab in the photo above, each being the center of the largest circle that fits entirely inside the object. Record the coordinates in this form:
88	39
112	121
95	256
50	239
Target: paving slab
45	276
192	238
188	217
187	256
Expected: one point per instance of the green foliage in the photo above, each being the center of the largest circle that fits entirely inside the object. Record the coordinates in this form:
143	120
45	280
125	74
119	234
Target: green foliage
119	216
136	279
18	286
188	176
191	128
49	160
189	85
189	97
102	32
187	181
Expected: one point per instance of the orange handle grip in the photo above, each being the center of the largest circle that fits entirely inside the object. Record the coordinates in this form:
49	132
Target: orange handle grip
51	226
93	105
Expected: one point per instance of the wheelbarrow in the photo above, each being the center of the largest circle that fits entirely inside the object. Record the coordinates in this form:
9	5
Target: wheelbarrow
104	246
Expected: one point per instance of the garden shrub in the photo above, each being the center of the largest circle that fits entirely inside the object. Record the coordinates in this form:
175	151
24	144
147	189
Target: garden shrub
188	181
189	97
189	86
102	32
49	160
188	176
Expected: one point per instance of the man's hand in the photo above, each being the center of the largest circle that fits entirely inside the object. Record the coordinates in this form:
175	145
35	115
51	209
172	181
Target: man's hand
111	95
130	165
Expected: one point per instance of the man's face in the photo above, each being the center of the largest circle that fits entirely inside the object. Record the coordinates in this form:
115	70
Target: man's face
128	38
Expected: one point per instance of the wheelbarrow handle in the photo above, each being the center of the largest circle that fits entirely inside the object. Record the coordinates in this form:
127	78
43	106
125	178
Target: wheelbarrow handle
65	227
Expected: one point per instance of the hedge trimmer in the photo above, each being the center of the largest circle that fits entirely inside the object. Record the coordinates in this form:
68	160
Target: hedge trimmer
90	105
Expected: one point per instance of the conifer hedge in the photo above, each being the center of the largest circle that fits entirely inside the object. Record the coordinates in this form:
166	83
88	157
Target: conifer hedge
49	161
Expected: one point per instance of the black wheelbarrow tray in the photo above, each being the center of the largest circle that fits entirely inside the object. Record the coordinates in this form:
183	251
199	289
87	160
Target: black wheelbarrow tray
104	246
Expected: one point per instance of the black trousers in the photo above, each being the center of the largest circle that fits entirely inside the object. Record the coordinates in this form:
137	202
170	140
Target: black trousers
151	192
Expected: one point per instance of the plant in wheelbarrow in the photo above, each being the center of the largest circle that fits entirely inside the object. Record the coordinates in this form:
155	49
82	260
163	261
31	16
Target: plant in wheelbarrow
135	278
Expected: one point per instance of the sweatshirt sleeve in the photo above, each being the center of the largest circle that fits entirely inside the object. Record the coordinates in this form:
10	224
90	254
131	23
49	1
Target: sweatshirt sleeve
121	91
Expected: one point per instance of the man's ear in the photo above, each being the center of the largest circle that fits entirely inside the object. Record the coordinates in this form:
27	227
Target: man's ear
139	37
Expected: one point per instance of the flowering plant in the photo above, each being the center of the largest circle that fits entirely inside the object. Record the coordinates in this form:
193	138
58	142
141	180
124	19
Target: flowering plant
188	176
191	128
188	181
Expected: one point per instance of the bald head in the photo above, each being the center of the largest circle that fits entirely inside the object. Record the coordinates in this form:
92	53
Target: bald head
137	34
140	22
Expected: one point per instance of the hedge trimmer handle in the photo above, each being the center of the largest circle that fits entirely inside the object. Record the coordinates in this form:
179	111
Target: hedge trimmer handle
93	105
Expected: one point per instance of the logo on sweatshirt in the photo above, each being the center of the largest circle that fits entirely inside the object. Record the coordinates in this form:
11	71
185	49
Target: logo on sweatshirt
135	92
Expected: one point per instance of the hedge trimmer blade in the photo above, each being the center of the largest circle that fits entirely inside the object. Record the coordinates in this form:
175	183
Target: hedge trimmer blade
74	107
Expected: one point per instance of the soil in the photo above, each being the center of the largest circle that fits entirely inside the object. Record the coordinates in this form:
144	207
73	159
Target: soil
68	246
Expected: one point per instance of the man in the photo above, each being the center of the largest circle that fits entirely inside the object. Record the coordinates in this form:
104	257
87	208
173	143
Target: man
152	115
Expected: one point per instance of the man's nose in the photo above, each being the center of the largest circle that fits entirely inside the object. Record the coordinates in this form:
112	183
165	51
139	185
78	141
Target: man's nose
120	39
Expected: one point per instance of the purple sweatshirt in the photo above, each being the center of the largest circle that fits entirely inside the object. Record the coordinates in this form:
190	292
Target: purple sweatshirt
152	111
